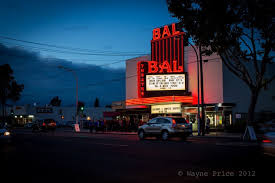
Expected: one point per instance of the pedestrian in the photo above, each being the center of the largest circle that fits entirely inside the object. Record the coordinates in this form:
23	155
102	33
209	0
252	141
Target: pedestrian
102	124
207	125
124	124
187	119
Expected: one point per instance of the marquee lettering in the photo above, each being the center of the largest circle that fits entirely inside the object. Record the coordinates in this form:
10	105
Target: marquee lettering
154	67
157	34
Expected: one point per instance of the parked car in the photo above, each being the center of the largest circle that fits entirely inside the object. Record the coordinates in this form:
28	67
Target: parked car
44	125
268	143
165	127
28	125
5	134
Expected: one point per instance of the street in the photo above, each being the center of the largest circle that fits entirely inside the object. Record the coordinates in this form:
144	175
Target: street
84	157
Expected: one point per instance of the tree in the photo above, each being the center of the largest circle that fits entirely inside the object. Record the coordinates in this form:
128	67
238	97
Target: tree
9	89
241	32
55	101
96	103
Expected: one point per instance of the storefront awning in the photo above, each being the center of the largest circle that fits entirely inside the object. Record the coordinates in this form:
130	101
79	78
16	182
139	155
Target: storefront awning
164	99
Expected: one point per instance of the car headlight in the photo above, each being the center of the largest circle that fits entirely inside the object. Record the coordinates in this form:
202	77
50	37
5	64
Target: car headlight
7	133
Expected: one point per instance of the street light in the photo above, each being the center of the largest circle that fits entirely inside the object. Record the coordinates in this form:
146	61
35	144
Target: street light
74	74
198	77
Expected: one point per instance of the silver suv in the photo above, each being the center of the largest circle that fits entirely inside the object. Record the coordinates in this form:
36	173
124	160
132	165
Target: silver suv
165	127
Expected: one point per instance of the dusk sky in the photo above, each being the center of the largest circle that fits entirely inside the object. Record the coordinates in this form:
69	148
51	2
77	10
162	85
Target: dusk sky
92	32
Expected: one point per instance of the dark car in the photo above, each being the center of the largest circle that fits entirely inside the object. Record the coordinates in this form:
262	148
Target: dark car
5	133
44	125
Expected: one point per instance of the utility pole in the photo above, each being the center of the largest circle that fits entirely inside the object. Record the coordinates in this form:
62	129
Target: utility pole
76	78
202	95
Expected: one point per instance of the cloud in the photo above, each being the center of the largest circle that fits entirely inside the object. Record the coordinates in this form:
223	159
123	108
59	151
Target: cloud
43	79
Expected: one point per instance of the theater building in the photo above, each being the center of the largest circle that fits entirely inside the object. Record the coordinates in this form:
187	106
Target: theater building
166	83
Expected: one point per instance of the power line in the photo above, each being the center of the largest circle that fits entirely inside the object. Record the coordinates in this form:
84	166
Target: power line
26	56
76	50
118	79
78	53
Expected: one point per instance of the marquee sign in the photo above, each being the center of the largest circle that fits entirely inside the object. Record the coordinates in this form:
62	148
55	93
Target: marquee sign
164	75
166	109
165	82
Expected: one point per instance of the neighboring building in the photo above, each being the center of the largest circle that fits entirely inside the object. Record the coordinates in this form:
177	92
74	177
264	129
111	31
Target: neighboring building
29	113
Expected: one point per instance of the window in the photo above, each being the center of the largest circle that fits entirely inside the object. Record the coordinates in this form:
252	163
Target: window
180	120
153	121
163	120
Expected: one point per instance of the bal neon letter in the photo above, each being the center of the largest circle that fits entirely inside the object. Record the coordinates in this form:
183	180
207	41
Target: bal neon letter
152	67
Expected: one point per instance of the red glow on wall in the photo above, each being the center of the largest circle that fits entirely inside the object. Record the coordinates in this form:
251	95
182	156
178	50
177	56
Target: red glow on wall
152	100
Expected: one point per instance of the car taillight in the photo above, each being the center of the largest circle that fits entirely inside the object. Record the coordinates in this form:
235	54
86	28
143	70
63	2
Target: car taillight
266	141
173	123
43	124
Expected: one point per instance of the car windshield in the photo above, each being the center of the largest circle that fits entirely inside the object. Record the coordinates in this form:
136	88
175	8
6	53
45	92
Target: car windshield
180	120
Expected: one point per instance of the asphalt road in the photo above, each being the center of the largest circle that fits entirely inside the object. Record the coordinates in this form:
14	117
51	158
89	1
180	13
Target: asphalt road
68	157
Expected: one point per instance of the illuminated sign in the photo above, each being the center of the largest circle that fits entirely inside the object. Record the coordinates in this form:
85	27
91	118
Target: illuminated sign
170	108
154	67
165	82
166	31
161	83
164	74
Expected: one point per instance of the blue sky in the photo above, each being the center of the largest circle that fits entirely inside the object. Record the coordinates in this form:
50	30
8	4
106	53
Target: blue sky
105	25
101	26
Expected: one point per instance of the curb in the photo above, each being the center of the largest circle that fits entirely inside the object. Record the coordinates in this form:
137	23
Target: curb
103	133
226	137
239	144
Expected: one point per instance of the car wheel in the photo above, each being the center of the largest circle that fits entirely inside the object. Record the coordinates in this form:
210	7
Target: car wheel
164	135
141	134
